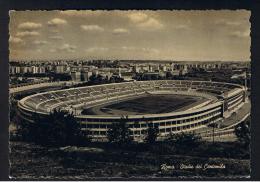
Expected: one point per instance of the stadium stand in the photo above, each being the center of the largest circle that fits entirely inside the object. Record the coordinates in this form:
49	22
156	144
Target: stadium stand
222	98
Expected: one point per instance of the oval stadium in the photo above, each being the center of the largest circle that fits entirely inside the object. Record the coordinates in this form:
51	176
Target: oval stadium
172	105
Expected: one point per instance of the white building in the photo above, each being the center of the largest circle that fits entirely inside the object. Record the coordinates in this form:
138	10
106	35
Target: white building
76	76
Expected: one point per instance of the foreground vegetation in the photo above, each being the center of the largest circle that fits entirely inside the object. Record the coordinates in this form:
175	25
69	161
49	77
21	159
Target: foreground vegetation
100	160
56	148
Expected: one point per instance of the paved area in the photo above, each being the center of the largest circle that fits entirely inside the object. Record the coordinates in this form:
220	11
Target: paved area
236	117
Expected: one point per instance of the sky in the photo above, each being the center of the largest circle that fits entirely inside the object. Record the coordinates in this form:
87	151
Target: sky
207	35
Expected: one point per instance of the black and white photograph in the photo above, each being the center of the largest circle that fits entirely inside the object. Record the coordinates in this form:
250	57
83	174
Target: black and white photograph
129	94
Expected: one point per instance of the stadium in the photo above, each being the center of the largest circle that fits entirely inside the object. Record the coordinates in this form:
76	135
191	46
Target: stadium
172	105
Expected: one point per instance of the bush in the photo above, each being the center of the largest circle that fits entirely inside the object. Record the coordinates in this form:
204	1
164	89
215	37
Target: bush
184	142
242	132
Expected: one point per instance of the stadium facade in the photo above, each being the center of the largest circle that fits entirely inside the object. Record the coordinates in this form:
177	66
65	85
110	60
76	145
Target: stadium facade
221	100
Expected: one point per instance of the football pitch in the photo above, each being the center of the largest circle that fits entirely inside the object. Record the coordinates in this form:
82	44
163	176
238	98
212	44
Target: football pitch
147	104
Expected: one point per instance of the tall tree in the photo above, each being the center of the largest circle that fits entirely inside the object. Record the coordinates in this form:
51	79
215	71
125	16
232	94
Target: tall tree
119	132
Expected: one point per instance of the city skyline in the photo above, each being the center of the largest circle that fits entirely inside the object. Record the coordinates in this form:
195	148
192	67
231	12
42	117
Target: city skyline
222	35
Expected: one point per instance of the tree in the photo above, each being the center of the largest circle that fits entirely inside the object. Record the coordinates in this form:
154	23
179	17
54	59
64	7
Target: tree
242	132
96	79
60	128
119	132
60	76
213	126
152	134
13	109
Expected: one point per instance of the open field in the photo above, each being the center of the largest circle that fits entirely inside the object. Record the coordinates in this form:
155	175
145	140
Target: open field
148	104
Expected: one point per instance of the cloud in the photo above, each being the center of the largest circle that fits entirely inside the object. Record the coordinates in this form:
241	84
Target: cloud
53	50
82	13
120	31
56	22
96	49
67	48
137	17
143	21
142	49
150	24
233	23
241	34
182	27
29	26
40	42
54	30
27	34
92	28
64	48
15	40
126	48
227	22
150	50
56	37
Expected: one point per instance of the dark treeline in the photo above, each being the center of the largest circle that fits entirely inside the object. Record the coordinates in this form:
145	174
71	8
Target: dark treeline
97	80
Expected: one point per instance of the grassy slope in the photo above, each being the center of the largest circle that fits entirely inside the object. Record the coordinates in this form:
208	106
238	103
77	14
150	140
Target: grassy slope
32	161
